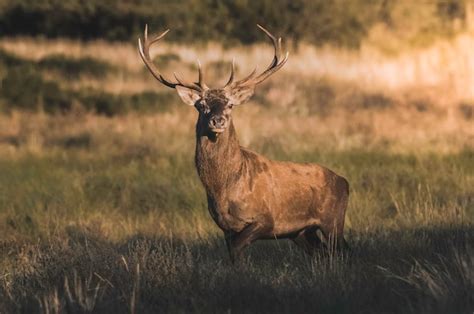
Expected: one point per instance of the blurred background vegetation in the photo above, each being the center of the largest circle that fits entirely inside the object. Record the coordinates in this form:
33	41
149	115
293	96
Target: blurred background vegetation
338	22
47	81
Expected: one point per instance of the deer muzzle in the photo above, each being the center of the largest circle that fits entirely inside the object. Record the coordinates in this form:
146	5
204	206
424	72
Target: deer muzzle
218	124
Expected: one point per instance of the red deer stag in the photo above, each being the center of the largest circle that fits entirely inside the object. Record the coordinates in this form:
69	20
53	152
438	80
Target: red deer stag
249	196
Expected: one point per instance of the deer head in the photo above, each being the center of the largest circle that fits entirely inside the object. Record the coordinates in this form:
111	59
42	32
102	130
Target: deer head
214	104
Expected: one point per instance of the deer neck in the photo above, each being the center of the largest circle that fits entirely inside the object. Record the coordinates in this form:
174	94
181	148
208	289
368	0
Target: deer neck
218	159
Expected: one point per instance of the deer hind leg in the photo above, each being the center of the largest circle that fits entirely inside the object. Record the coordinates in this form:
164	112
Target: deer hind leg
333	231
308	240
238	241
334	237
333	227
301	241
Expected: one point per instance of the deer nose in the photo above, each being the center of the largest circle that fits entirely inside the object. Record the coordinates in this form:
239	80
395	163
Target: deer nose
217	122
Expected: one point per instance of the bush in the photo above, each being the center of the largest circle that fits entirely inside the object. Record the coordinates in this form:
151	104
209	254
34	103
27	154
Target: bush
23	87
166	58
73	68
110	105
317	21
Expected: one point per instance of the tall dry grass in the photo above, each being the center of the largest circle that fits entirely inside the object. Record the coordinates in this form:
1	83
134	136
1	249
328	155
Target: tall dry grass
417	99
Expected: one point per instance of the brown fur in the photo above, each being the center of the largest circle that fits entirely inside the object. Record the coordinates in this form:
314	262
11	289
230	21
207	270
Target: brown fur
251	197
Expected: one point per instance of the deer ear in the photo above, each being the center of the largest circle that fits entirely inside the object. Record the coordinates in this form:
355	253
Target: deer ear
239	95
188	96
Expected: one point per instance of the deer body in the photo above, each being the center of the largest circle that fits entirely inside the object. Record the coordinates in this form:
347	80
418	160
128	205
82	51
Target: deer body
249	196
284	198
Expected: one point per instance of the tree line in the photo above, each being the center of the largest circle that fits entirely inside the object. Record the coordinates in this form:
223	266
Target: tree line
337	22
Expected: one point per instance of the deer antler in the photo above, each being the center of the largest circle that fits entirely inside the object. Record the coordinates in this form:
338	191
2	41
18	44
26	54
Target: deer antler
144	50
274	66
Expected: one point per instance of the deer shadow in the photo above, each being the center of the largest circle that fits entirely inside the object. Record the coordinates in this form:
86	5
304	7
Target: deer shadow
155	273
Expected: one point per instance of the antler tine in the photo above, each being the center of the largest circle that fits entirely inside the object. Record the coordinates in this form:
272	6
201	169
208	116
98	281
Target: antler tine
177	78
276	45
250	76
274	66
144	50
279	47
276	63
201	77
231	77
156	38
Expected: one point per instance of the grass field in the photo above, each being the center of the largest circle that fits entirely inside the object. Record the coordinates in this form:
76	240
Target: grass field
105	212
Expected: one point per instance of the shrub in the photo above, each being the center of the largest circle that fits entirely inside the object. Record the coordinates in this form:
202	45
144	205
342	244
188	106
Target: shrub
317	21
24	88
72	68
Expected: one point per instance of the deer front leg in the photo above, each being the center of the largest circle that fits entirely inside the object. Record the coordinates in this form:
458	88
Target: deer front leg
236	242
229	236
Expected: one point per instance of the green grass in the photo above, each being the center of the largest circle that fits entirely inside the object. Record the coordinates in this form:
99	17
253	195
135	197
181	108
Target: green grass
385	188
117	232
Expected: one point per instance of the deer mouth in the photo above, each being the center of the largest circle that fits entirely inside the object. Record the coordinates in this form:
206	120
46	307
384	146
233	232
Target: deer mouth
213	130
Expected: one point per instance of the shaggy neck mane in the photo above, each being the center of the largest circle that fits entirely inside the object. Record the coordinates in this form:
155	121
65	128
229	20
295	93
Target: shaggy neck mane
218	159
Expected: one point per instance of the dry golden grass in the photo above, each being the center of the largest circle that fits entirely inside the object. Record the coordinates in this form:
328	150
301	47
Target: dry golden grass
396	131
439	78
